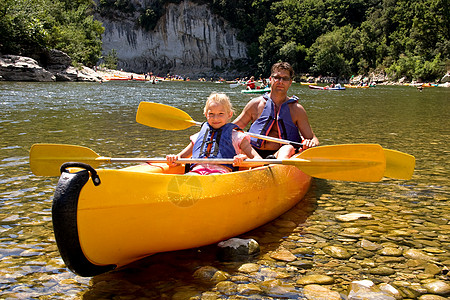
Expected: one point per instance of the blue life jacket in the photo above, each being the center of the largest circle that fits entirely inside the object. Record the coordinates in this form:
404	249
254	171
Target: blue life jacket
219	140
286	127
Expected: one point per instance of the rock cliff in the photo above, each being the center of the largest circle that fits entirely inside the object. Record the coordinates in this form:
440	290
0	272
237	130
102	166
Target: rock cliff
188	40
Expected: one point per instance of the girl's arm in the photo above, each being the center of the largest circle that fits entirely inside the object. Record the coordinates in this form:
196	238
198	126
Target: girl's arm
185	153
248	152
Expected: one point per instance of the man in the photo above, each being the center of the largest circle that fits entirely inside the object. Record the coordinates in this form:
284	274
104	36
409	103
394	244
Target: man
277	115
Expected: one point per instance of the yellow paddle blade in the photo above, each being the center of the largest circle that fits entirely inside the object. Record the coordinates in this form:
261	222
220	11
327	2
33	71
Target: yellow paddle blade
399	165
163	116
46	159
355	162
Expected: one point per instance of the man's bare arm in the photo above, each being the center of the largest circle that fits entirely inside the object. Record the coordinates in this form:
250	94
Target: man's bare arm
300	118
247	115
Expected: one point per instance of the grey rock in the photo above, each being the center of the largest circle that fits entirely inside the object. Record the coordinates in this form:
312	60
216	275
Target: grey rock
237	249
20	68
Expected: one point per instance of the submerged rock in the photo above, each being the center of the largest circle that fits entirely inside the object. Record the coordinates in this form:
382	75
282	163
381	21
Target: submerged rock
438	287
210	274
315	279
337	252
366	289
318	292
353	217
237	249
283	254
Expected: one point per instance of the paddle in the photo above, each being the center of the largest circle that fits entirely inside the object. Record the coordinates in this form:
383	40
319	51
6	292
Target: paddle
340	162
233	85
167	117
398	165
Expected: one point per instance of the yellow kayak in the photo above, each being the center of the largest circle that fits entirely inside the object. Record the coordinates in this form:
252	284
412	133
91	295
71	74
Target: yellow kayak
356	86
145	209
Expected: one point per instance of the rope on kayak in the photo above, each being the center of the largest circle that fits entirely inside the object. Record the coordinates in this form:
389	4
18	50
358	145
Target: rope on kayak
94	176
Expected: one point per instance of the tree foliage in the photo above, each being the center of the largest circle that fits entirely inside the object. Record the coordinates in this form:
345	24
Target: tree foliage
29	27
324	37
342	37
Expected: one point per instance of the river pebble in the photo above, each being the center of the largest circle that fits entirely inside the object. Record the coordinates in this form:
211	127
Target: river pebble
248	289
283	255
315	279
353	217
227	287
249	268
318	292
367	290
438	287
277	288
432	297
337	252
418	254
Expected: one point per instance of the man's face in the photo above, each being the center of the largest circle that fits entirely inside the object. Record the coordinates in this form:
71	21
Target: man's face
280	80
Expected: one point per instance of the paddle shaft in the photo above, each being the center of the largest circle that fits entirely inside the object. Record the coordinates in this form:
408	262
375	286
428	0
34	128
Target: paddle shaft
253	162
363	162
264	137
248	162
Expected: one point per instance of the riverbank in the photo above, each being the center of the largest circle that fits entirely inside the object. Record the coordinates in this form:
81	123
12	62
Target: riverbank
59	67
374	79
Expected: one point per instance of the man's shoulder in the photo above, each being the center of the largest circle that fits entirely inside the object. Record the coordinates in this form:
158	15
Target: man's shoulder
296	108
259	98
257	101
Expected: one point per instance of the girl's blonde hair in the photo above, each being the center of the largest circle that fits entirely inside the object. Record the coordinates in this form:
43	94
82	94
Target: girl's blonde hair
221	99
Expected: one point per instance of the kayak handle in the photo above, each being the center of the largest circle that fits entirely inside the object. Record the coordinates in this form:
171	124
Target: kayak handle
91	170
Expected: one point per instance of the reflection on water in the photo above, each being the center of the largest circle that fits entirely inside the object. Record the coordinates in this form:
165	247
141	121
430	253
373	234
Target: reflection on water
102	117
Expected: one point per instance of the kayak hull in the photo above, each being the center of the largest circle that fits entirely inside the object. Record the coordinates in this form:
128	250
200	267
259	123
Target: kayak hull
356	86
314	87
146	209
256	91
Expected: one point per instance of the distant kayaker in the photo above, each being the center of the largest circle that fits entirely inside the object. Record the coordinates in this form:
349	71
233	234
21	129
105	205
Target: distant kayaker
217	139
251	84
291	118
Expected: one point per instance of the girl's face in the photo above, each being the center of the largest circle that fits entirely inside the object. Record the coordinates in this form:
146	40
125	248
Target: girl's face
217	115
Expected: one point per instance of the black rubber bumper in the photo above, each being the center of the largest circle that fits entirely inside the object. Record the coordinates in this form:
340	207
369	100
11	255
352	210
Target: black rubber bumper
64	217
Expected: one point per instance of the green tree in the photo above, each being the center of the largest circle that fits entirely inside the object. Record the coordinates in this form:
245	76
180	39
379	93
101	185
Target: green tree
22	27
327	54
30	27
111	60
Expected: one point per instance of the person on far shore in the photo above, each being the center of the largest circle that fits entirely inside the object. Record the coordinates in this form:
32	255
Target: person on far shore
277	115
217	139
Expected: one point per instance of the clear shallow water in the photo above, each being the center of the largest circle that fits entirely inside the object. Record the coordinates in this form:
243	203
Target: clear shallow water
102	117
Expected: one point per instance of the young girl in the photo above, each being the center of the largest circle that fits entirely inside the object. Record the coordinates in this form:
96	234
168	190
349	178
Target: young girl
217	139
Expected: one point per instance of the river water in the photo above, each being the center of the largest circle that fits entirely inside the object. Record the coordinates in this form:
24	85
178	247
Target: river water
405	215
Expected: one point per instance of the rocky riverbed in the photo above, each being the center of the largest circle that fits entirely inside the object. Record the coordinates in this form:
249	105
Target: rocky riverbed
378	249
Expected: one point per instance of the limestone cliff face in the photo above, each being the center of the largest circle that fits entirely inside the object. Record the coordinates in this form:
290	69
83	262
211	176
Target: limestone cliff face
188	40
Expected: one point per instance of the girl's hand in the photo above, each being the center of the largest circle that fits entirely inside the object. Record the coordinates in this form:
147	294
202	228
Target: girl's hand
238	159
308	144
171	160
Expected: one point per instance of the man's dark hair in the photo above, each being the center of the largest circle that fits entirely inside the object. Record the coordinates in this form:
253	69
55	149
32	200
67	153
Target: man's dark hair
283	66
